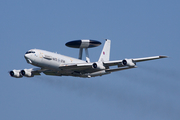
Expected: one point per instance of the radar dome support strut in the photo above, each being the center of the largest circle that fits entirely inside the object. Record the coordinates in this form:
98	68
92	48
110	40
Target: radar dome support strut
80	53
83	44
87	55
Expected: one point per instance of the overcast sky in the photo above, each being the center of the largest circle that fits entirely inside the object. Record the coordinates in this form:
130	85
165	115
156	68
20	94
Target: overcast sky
137	29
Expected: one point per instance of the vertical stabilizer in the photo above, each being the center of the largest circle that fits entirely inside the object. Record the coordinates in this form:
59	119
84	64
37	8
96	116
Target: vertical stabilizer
105	54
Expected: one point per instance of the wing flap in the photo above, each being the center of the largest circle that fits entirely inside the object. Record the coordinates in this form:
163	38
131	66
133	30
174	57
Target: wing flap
37	71
112	63
75	66
118	69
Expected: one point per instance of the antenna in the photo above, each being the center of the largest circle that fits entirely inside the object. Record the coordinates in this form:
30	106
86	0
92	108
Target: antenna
83	44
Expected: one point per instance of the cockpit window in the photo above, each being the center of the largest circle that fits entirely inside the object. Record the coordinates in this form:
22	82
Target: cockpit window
30	52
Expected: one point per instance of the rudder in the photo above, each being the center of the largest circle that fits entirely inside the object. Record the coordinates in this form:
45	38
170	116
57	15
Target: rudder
105	54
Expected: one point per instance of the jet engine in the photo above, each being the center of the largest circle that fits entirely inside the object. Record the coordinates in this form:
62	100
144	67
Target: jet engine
15	73
128	62
98	65
27	73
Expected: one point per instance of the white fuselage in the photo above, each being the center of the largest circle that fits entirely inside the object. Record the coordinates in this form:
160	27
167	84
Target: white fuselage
57	64
49	60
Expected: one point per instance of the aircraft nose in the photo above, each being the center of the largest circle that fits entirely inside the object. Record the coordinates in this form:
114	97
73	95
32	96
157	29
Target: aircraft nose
25	56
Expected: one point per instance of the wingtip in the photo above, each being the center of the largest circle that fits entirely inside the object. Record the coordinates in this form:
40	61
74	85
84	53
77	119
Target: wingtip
162	56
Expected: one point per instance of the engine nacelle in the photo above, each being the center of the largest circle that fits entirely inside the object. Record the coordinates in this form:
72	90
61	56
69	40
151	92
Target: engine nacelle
27	73
15	73
128	62
98	65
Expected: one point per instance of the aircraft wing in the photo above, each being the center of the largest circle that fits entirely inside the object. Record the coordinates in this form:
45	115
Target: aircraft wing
35	71
119	62
120	68
148	58
87	67
71	69
75	66
78	67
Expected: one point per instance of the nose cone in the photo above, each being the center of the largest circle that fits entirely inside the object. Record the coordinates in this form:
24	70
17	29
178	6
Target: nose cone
26	56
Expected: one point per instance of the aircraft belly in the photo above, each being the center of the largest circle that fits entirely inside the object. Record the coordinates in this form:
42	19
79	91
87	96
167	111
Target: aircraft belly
81	70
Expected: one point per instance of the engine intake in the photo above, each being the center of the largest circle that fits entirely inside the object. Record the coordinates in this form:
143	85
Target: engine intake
15	73
98	65
94	65
27	73
128	62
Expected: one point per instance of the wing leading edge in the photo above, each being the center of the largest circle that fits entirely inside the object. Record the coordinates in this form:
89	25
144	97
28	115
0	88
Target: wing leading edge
119	62
149	58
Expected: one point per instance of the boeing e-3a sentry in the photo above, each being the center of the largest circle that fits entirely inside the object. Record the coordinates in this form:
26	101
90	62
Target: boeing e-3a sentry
59	65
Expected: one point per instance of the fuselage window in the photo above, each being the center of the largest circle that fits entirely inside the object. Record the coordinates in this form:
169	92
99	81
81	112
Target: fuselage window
29	52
